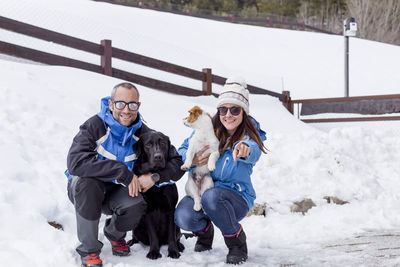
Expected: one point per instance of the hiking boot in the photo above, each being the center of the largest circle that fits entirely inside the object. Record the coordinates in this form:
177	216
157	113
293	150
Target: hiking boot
205	238
237	247
91	260
120	248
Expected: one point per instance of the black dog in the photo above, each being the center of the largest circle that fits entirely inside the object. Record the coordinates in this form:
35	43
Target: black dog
157	227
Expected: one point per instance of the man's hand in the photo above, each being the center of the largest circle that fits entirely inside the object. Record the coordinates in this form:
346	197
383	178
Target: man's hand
240	151
134	187
145	182
199	159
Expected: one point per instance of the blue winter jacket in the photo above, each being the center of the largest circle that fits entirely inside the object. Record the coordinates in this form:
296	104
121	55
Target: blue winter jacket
235	175
103	150
117	142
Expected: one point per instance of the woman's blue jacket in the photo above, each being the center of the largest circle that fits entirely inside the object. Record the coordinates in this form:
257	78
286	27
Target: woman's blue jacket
235	175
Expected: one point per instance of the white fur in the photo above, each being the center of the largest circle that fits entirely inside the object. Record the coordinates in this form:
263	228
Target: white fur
199	179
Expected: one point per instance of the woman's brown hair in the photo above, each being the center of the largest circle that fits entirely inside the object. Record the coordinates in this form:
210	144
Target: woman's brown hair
245	127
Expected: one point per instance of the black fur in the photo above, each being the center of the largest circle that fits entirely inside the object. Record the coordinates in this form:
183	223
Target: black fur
157	227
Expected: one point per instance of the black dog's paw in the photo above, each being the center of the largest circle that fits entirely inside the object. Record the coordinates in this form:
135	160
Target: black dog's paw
173	254
181	247
153	255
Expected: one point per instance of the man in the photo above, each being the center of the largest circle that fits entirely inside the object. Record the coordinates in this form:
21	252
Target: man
100	177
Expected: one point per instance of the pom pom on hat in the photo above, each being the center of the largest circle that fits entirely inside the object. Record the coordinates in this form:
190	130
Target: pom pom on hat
235	92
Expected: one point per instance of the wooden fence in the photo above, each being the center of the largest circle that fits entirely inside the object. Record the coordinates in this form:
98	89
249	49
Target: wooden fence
343	99
106	53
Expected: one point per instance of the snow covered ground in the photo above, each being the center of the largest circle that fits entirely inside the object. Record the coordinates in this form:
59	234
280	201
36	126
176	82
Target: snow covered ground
42	108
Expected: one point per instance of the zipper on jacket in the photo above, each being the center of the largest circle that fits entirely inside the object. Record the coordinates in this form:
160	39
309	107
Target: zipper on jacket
125	137
223	166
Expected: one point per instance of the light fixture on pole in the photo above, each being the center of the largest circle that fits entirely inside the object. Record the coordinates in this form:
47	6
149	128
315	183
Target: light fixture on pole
349	29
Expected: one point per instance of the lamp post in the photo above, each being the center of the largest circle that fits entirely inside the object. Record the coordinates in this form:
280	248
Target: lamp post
349	29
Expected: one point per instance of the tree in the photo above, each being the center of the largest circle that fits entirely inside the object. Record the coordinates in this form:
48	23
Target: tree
377	20
285	8
327	14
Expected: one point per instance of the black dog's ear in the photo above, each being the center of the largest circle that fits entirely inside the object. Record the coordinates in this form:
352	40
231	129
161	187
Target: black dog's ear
169	145
138	149
166	139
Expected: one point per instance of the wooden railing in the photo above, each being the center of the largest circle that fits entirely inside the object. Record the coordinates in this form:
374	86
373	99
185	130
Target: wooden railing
344	99
106	53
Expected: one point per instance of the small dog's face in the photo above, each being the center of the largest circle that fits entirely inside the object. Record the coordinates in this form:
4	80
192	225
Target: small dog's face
152	151
196	115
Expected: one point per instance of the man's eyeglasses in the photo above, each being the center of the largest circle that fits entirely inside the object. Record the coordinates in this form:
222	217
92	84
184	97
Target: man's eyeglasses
233	110
133	106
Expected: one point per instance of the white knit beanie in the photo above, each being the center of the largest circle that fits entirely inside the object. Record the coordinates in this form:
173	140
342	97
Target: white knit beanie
235	92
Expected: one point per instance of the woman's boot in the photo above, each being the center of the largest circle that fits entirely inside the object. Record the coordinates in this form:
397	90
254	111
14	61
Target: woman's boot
237	247
205	238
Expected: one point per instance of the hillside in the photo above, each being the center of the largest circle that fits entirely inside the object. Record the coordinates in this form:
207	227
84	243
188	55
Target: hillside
43	107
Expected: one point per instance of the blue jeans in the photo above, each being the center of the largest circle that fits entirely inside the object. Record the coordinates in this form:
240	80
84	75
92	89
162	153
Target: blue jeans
224	207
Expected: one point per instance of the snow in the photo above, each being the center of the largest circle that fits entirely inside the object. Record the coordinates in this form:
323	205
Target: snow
43	107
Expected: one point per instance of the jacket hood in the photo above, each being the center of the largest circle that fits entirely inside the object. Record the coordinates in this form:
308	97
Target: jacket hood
261	133
118	130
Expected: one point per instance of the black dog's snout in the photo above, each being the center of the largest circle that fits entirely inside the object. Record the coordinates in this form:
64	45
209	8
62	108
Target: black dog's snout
158	156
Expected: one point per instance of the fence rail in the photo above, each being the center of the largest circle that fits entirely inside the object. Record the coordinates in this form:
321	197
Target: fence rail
344	99
48	35
383	118
107	52
46	58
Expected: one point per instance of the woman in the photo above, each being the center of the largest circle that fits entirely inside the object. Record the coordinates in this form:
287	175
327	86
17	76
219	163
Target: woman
233	194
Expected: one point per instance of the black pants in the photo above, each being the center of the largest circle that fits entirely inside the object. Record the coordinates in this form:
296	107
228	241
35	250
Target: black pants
91	198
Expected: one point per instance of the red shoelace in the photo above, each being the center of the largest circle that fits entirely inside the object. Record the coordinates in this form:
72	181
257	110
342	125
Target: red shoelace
92	258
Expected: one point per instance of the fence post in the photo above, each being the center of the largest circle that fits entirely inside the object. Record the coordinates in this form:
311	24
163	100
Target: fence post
269	22
287	101
207	81
106	57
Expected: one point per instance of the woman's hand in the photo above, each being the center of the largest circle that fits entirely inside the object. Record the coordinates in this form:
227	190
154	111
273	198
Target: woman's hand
199	159
240	151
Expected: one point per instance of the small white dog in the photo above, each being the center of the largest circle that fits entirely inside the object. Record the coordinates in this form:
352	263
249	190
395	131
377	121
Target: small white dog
199	179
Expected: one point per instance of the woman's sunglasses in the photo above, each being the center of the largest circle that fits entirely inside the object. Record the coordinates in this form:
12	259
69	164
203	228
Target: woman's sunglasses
233	110
133	106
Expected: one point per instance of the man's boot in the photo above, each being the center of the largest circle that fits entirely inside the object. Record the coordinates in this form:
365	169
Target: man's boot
237	248
119	246
205	238
91	260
